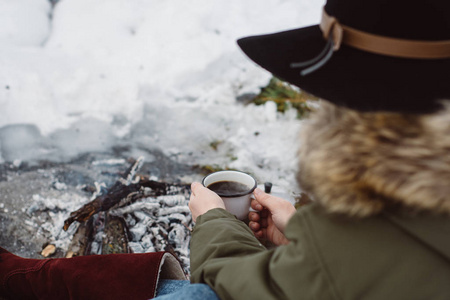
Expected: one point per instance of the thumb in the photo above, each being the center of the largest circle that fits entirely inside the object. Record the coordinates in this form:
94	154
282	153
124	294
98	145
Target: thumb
266	200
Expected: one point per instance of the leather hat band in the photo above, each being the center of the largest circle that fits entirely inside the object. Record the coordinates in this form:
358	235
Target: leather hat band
419	49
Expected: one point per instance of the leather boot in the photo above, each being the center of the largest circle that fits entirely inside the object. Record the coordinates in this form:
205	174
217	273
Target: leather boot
113	276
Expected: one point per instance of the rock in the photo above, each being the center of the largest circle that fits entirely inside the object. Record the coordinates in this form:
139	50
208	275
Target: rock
48	250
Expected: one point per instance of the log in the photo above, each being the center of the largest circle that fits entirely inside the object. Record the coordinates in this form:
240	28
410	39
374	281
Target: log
118	192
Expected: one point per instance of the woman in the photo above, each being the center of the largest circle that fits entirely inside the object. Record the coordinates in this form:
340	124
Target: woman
379	228
375	158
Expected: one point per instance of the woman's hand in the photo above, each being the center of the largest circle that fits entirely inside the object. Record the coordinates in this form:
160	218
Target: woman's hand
203	199
270	221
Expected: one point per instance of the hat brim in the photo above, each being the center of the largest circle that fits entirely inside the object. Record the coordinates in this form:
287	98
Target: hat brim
352	78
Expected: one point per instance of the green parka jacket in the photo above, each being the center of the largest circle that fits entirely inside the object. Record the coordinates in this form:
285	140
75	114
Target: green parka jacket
328	257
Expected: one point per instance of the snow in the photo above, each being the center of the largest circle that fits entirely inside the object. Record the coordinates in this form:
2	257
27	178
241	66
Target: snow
24	22
88	75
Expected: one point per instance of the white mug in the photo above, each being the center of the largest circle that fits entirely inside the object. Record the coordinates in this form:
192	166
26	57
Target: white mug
237	203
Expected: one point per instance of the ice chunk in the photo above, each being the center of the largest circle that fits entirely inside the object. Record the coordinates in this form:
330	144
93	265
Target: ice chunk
20	142
24	22
84	136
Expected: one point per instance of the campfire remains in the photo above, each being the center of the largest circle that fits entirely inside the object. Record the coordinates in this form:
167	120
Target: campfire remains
137	215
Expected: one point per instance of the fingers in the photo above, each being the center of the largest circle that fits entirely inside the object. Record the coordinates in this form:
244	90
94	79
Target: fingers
263	222
265	213
253	216
203	200
195	186
256	205
257	230
259	217
254	226
259	234
258	220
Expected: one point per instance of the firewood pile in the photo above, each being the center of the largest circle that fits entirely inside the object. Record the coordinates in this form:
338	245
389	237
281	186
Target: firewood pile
135	215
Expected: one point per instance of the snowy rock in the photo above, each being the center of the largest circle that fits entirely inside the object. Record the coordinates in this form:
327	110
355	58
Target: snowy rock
20	142
88	135
24	22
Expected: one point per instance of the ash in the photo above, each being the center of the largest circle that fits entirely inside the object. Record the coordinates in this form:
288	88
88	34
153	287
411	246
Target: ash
35	201
160	223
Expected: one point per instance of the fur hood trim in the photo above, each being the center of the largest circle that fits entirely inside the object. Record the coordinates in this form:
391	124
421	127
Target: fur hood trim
361	164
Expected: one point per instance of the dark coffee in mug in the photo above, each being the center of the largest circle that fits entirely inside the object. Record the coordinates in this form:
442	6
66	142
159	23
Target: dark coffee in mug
228	188
235	188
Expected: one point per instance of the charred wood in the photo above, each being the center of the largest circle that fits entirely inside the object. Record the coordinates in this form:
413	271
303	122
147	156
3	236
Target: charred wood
116	196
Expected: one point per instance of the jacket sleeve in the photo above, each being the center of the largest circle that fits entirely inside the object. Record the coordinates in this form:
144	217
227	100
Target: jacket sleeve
226	256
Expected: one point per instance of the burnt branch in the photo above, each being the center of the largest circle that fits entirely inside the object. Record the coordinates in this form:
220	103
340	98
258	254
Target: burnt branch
115	195
120	190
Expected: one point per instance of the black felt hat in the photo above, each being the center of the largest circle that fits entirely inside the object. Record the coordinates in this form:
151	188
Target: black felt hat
349	70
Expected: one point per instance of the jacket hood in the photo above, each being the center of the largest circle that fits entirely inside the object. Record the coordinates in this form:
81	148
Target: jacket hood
362	164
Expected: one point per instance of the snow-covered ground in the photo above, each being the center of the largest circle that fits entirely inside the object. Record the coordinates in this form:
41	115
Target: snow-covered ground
89	75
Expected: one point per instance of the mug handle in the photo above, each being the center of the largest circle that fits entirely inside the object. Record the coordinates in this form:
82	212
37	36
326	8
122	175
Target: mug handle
267	189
